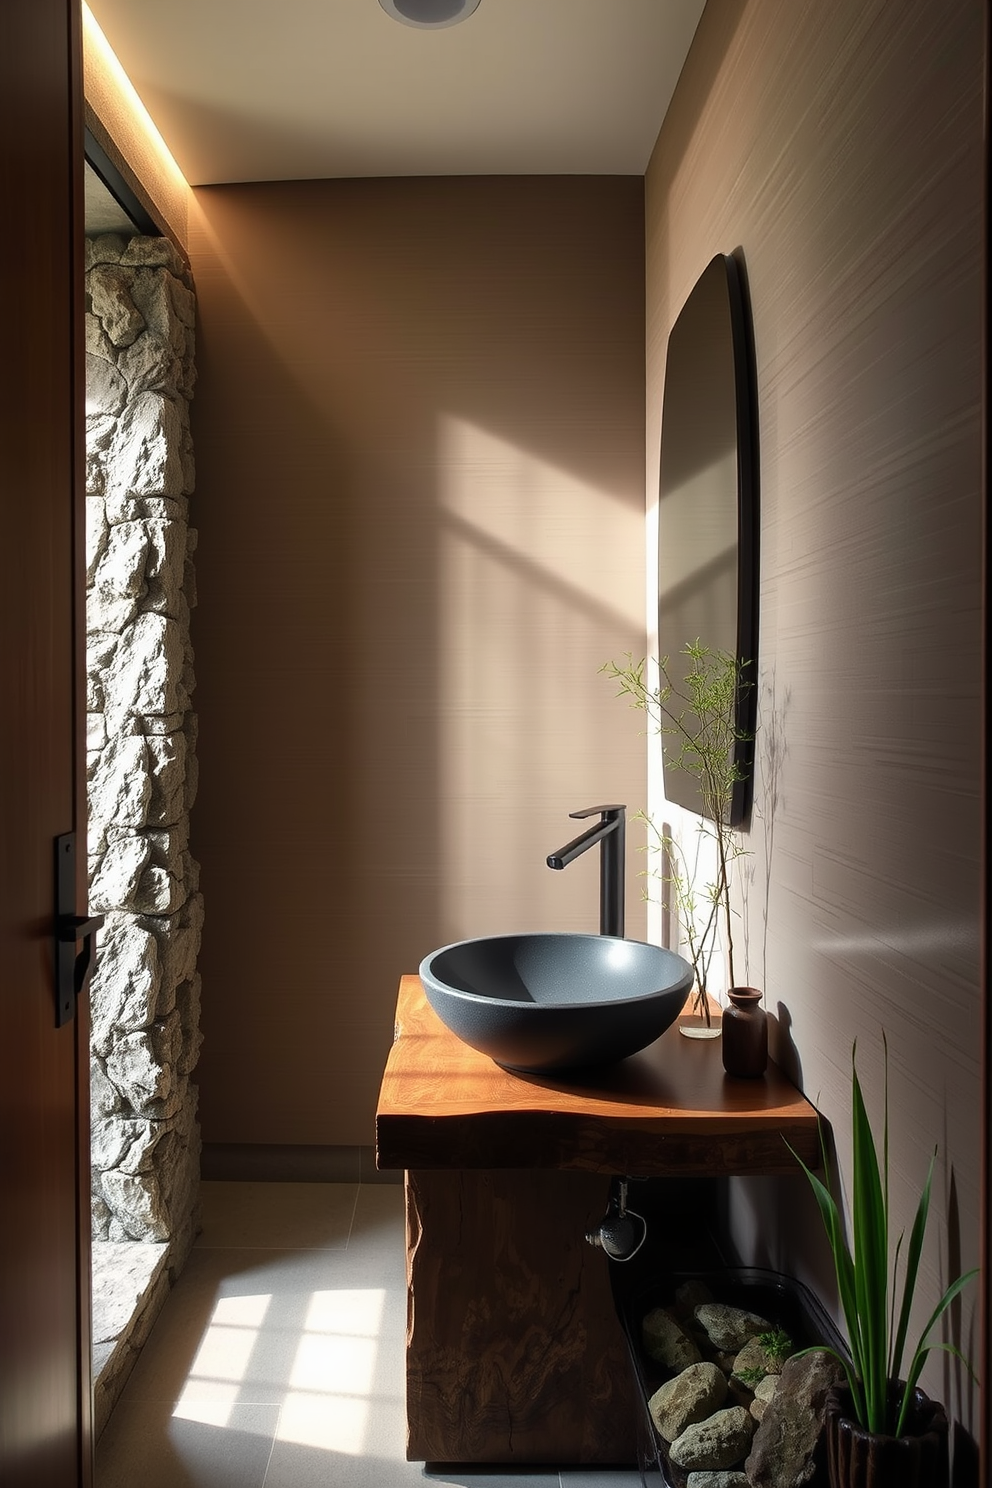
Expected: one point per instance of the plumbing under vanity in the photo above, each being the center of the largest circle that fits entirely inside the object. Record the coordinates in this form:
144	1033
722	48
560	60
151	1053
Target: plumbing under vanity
514	1352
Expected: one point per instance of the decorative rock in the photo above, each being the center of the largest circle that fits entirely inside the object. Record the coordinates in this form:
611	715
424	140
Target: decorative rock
691	1396
764	1392
730	1479
729	1327
787	1450
666	1341
755	1355
692	1294
720	1441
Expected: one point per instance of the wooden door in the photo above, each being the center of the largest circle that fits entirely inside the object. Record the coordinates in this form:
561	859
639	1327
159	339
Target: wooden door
44	1250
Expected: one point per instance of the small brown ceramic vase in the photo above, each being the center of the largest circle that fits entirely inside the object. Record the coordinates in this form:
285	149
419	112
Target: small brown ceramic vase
857	1458
745	1034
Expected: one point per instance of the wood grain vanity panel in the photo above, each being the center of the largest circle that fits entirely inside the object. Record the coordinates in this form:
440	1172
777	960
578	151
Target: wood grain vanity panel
669	1110
514	1351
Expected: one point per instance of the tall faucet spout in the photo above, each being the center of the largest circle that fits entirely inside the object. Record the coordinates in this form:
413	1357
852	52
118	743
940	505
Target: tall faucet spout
610	833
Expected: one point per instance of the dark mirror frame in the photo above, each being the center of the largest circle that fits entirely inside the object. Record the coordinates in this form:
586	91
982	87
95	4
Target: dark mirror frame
709	407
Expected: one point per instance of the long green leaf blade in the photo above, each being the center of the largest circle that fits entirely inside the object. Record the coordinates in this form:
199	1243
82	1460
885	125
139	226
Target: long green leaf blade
843	1262
870	1260
913	1255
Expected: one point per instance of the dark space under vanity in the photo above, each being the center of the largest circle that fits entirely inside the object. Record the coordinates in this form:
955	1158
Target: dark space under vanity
515	1353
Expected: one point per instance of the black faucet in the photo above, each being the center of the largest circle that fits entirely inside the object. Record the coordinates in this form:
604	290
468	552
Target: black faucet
609	832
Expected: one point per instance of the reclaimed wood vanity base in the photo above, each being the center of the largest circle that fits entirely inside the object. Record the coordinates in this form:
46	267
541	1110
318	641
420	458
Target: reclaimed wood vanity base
514	1351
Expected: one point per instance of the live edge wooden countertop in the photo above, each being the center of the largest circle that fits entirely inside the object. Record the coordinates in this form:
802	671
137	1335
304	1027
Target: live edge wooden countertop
669	1110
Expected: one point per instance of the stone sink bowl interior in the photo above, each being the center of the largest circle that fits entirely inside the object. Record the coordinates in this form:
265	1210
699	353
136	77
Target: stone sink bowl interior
544	1002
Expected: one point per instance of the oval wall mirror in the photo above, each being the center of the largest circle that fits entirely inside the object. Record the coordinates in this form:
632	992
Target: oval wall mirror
708	503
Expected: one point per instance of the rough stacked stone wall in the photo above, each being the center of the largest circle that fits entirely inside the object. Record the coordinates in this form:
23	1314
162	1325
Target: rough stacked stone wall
141	742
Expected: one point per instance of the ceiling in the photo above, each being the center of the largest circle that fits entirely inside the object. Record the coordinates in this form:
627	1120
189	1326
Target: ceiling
257	90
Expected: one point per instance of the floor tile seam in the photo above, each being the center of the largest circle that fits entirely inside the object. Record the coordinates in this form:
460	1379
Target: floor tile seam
354	1211
272	1446
277	1249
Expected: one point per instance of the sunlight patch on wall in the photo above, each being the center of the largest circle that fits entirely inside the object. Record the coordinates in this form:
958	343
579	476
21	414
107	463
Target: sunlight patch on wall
539	583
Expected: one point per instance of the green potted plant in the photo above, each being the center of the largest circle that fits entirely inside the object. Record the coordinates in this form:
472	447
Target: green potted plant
881	1429
697	717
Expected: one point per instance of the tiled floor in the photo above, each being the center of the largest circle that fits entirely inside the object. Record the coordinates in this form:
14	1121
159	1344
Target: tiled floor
277	1361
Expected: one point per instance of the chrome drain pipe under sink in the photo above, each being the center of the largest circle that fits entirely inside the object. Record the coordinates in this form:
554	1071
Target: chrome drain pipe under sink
622	1231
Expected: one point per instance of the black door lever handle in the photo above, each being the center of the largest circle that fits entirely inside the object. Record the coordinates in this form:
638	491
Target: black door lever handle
71	970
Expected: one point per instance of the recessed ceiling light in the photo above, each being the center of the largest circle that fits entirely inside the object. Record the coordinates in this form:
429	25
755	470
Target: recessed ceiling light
429	15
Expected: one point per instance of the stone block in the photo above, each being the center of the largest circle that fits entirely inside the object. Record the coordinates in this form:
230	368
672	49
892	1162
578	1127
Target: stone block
119	578
106	390
115	880
165	570
167	753
111	1139
134	1067
105	1098
145	457
135	1202
125	985
96	732
110	291
98	343
179	945
120	788
153	294
188	1004
153	253
144	675
159	892
107	248
97	533
150	364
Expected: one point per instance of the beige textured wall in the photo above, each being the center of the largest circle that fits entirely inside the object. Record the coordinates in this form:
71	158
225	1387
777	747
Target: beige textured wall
419	432
840	147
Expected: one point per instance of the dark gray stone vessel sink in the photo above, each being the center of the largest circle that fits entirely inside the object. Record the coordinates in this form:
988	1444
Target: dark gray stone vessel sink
545	1002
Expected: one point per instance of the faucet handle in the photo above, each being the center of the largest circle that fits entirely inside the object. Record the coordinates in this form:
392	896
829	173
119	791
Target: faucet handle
608	813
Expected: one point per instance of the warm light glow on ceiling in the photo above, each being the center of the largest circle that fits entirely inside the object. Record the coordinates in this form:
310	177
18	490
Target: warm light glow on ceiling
97	44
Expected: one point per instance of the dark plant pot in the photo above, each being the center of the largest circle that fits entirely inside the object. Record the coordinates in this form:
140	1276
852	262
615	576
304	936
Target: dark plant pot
857	1458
